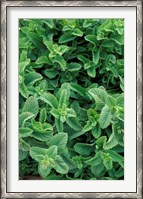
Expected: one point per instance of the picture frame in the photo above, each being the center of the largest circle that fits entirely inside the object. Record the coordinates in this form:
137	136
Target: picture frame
4	100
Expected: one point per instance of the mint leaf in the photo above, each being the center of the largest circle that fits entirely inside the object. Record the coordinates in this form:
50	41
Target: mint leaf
42	60
73	66
83	149
61	61
25	132
49	99
43	115
32	77
61	167
91	38
44	170
66	37
23	117
105	117
60	140
31	105
77	88
59	125
74	123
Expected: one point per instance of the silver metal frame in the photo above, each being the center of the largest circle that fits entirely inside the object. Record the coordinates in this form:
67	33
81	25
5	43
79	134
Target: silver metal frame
4	5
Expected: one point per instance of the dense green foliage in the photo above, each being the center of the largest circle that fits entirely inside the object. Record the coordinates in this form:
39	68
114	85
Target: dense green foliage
71	100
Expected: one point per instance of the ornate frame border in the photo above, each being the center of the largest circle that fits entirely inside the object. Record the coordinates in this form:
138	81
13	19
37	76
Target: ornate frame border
3	75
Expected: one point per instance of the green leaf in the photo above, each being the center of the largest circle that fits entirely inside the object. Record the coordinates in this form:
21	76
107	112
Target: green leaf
37	126
76	134
23	145
47	126
119	39
74	123
36	40
99	95
49	99
22	66
32	77
83	59
61	167
120	100
101	141
105	117
41	128
95	55
51	73
31	105
71	112
111	101
97	170
49	45
88	126
73	66
66	37
95	160
23	117
118	129
87	23
44	170
64	97
91	38
108	163
91	71
108	43
116	157
121	83
59	139
42	136
25	132
77	88
96	131
83	149
38	153
23	155
77	32
43	115
66	158
63	49
119	173
106	26
23	90
61	61
110	60
55	113
112	142
52	152
49	23
23	55
42	60
24	43
59	125
78	162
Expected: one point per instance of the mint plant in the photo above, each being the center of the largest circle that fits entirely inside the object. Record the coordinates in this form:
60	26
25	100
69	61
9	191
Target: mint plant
71	99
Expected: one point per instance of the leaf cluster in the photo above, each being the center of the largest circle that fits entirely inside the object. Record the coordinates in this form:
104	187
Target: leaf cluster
71	98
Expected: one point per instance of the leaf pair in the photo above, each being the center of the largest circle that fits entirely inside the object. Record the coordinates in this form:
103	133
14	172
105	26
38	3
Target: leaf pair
48	159
56	53
90	66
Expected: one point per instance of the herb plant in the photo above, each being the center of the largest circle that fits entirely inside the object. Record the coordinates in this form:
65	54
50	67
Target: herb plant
71	98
